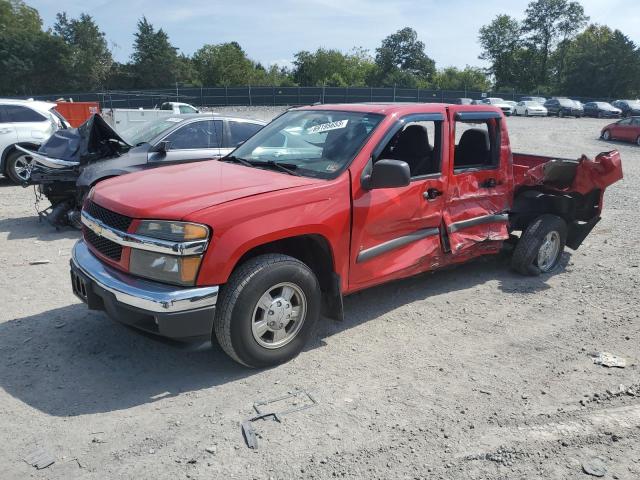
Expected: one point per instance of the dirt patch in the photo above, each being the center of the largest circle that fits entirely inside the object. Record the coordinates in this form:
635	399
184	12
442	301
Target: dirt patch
469	373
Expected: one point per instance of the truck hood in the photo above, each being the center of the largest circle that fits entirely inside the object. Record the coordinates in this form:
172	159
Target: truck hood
176	191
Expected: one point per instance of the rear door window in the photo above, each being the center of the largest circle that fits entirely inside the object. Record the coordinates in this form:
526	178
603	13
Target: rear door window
241	131
20	114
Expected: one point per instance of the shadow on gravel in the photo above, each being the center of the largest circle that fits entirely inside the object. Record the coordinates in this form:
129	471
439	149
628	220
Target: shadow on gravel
5	182
20	228
69	361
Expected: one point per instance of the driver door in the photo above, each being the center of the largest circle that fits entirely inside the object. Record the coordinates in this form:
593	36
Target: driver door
396	231
200	140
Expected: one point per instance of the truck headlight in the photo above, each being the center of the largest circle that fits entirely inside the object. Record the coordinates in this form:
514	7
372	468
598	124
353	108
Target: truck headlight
175	269
165	268
173	231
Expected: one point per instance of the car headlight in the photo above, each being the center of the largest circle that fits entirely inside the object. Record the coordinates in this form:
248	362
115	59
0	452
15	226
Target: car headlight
174	269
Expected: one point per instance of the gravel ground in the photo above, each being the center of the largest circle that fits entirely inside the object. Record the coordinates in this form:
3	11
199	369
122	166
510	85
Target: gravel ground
470	373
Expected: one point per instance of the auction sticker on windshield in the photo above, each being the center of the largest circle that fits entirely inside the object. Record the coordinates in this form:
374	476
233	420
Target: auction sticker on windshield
325	127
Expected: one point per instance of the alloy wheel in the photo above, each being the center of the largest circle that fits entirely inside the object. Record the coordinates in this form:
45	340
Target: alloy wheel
549	251
279	315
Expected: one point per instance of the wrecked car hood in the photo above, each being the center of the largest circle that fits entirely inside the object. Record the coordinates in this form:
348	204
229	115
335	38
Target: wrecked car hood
93	140
174	192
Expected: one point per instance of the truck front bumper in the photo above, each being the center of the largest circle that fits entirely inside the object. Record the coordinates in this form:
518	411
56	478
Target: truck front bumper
166	310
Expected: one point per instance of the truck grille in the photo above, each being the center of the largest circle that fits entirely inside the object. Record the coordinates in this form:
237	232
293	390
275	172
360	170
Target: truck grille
105	246
109	218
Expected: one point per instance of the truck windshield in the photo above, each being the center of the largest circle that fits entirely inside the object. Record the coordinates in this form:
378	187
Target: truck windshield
139	134
316	143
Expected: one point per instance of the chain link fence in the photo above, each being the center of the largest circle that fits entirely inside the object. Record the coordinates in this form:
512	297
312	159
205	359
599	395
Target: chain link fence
277	96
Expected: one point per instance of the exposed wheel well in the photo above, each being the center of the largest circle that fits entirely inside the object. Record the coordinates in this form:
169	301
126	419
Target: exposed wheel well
580	212
316	253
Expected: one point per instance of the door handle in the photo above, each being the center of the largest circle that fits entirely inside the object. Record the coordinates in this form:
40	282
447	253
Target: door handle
432	194
489	183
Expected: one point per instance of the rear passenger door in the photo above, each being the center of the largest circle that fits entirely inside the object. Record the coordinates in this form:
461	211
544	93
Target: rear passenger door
480	179
237	132
30	126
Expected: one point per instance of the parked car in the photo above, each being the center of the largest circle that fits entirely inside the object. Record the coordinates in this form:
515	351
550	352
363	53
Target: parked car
27	123
601	110
72	161
627	129
530	108
498	102
179	108
463	101
540	100
251	249
563	107
629	108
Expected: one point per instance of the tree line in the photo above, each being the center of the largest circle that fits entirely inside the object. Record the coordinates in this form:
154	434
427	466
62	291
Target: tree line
552	50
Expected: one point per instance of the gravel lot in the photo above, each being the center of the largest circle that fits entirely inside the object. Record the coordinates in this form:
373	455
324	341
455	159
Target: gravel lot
470	373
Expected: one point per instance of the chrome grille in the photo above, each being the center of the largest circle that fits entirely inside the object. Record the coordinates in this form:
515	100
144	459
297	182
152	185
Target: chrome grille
105	246
109	218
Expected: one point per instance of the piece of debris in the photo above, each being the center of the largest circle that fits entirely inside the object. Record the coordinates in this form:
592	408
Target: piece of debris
607	359
39	458
212	450
39	262
298	400
60	325
594	467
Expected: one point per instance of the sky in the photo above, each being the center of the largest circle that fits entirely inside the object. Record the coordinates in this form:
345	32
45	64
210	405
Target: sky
273	31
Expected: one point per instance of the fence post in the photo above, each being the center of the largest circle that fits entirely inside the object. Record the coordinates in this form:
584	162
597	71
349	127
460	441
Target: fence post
418	94
274	95
371	94
346	95
201	97
394	92
298	95
250	100
323	86
226	95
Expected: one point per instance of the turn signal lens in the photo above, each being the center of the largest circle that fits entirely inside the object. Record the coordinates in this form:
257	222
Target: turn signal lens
173	231
189	269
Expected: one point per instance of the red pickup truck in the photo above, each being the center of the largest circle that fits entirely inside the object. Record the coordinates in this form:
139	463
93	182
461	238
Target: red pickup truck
322	202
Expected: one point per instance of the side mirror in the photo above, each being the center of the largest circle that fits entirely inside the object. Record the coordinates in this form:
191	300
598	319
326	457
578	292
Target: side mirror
387	174
162	147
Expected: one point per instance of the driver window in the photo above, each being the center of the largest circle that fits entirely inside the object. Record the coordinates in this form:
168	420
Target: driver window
418	144
477	145
203	134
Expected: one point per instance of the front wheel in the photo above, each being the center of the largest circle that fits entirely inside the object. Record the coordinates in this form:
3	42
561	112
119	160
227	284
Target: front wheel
541	245
526	113
19	166
267	310
560	114
638	141
606	135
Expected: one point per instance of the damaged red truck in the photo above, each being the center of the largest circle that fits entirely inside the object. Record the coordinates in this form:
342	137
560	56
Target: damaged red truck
322	202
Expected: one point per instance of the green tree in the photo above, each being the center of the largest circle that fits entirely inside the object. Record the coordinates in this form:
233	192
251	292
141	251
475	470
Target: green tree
401	59
332	67
89	58
502	47
469	79
224	64
31	61
155	60
601	62
548	23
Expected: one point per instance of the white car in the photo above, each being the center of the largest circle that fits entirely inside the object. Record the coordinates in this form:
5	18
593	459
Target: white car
179	108
497	102
27	123
529	108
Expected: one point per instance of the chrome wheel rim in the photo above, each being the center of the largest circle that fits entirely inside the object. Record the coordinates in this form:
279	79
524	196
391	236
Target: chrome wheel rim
278	315
22	167
549	251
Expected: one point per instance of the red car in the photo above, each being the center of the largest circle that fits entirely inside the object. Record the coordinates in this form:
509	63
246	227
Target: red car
322	202
627	129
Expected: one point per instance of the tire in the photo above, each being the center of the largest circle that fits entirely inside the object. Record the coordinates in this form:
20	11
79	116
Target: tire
600	115
606	135
526	113
239	307
638	141
528	251
560	114
18	166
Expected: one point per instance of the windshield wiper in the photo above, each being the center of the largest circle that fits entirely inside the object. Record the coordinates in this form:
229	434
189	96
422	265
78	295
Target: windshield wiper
283	167
232	158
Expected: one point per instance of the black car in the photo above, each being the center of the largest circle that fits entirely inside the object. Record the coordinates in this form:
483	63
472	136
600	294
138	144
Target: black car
72	161
563	107
629	108
601	110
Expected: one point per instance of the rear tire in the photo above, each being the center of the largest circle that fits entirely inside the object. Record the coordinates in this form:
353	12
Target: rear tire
560	114
526	113
18	167
255	322
540	247
638	141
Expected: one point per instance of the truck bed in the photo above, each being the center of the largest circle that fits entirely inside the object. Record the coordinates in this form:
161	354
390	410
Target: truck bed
582	175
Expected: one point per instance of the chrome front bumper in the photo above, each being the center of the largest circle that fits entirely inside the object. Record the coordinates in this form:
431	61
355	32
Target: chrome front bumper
152	297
